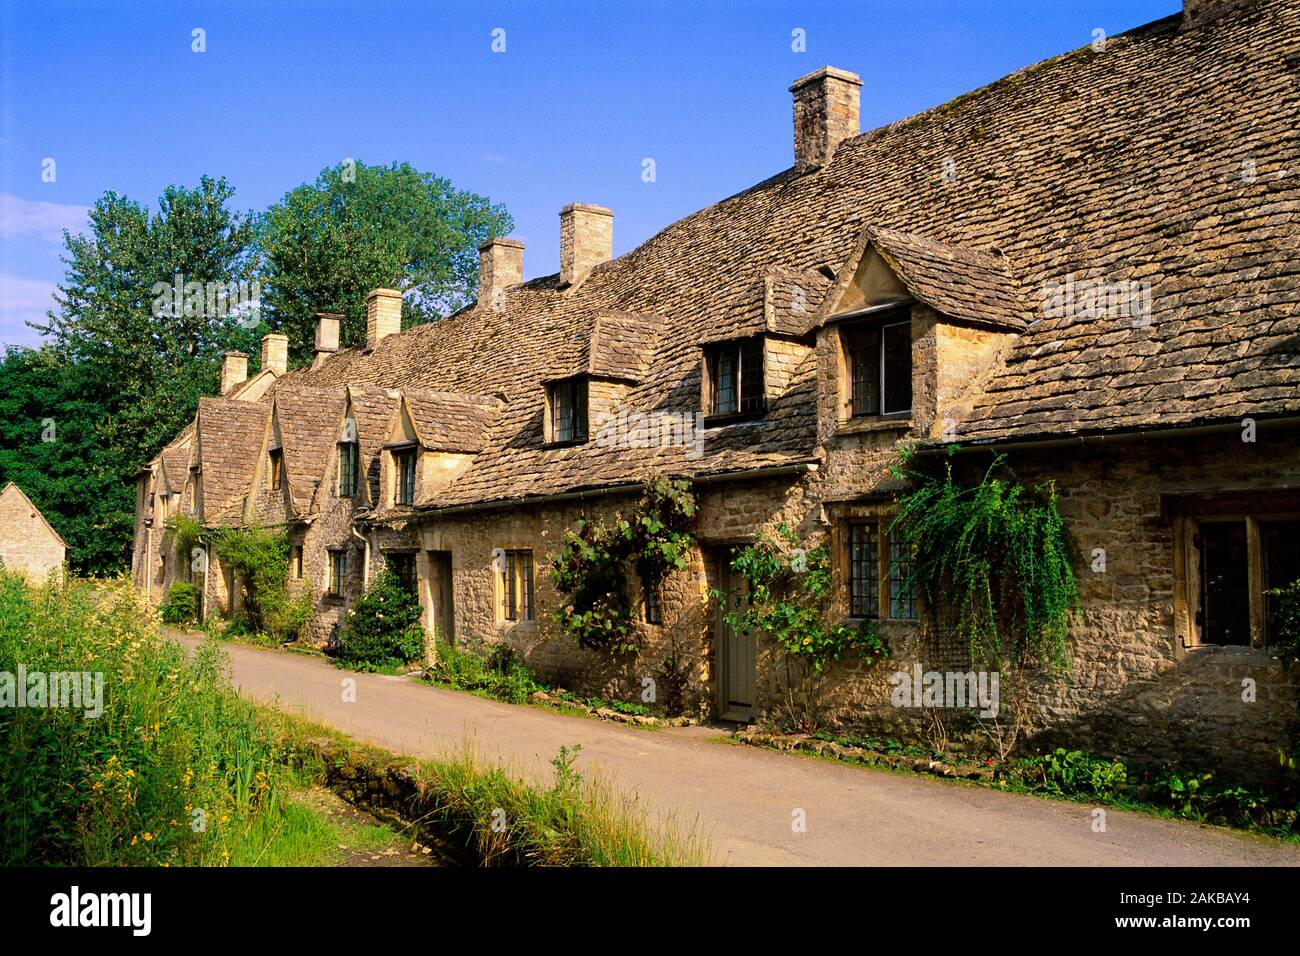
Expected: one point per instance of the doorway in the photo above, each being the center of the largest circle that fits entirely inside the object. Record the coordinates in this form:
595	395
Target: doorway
737	649
442	614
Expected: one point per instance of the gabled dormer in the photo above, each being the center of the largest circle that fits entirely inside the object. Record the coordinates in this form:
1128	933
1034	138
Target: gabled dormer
908	333
749	358
297	449
589	386
430	440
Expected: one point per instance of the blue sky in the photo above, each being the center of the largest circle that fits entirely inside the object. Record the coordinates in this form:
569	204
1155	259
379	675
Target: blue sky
582	94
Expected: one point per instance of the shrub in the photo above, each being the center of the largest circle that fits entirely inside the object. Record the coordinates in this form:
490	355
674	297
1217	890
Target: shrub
383	628
259	557
122	788
499	674
182	604
1074	773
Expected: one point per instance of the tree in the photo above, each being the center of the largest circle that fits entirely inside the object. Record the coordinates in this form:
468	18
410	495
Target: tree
357	228
126	358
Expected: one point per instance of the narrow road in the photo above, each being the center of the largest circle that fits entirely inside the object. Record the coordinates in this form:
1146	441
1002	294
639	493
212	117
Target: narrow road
744	798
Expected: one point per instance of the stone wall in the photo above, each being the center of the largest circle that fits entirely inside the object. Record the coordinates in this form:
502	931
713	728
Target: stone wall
26	542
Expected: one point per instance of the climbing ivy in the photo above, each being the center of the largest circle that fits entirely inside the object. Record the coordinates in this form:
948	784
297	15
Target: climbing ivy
787	598
186	533
997	553
592	565
259	557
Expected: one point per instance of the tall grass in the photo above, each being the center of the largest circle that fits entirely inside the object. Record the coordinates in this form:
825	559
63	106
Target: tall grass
175	771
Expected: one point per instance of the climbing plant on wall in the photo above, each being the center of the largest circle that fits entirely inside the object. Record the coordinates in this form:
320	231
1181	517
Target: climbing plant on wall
259	558
592	566
788	600
997	552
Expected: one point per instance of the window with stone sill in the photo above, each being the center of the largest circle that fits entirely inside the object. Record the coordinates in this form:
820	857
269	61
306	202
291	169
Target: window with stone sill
338	573
878	366
276	471
404	476
876	565
734	379
515	586
1234	562
349	461
568	410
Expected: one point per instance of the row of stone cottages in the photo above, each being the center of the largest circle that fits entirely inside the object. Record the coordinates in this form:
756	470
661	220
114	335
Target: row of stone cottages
1088	266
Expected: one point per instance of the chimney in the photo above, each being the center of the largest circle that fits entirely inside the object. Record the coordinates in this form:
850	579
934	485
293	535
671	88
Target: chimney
275	353
586	240
825	114
327	336
500	265
234	369
383	315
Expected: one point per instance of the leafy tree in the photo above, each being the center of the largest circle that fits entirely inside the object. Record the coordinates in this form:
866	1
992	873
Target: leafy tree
357	228
124	365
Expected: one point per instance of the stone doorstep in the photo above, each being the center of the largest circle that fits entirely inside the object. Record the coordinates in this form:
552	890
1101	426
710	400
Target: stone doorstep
828	748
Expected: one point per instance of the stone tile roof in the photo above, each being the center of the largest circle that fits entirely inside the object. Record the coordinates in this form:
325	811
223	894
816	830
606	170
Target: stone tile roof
450	422
230	438
963	284
1169	158
778	301
176	468
309	425
371	408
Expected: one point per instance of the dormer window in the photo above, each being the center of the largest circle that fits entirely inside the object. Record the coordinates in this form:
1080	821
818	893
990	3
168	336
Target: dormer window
349	462
878	366
276	456
568	408
404	472
734	379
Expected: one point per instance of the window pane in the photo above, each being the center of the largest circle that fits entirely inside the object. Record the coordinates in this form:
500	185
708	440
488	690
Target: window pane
751	376
902	603
724	380
864	569
864	371
898	367
509	591
1225	583
1281	541
562	411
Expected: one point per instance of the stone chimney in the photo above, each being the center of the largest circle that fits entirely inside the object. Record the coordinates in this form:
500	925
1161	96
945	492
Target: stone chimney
500	265
327	336
234	369
586	240
825	114
275	353
383	315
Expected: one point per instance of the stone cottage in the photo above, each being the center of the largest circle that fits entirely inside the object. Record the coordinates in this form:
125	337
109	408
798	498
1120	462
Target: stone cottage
28	542
1088	266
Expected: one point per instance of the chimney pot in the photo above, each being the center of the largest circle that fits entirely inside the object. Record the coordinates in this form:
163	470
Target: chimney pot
826	108
500	265
586	240
383	315
275	353
234	370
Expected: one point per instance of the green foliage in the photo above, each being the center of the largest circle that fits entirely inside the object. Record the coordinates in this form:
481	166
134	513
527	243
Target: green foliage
259	557
498	674
383	628
182	604
593	563
787	599
118	378
186	533
121	788
1074	773
358	228
1284	627
996	558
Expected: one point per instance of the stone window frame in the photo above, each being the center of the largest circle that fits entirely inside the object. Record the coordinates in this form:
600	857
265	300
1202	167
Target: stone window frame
397	558
853	325
275	468
349	483
843	517
516	579
748	380
295	561
337	572
405	491
652	605
1186	514
578	388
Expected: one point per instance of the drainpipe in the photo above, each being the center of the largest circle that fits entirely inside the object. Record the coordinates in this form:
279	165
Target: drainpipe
365	557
